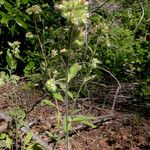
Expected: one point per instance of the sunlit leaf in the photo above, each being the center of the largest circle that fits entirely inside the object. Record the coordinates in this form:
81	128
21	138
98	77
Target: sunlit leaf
8	142
82	118
17	3
58	96
88	123
49	103
2	1
73	71
21	23
50	85
28	138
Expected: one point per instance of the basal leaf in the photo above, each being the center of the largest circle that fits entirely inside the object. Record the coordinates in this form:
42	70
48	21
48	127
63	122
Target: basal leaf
49	103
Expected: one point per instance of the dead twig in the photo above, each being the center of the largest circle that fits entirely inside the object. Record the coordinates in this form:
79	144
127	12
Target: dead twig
117	91
141	16
26	129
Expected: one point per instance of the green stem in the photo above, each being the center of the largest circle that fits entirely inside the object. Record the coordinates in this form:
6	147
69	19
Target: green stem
67	86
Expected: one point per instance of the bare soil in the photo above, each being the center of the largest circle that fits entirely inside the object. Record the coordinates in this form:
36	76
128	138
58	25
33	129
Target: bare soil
125	131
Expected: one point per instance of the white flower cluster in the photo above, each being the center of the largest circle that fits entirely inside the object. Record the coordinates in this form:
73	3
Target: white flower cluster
75	11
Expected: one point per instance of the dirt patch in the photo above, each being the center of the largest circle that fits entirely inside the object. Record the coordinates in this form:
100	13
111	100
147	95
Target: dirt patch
124	131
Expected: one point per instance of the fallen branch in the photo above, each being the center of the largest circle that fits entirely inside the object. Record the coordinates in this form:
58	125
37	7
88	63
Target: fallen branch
5	120
25	129
37	139
95	122
81	127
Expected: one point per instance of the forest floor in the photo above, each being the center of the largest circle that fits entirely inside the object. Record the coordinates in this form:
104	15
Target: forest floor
124	131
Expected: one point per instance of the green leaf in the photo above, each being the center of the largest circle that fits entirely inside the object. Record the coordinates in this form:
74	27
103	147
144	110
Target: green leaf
10	61
89	78
19	57
8	142
82	118
17	3
62	86
28	138
2	82
2	2
21	23
50	85
53	135
5	18
67	127
58	116
73	71
49	103
3	136
34	147
24	1
58	96
7	6
88	123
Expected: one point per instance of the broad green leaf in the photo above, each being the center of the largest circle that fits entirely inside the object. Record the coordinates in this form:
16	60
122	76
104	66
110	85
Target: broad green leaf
2	2
5	18
8	142
10	61
3	136
21	23
24	1
58	96
28	138
17	3
34	147
8	6
53	135
19	57
49	103
73	71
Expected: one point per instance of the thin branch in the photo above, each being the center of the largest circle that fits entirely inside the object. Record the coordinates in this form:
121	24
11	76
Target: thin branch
43	52
141	16
117	91
99	6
